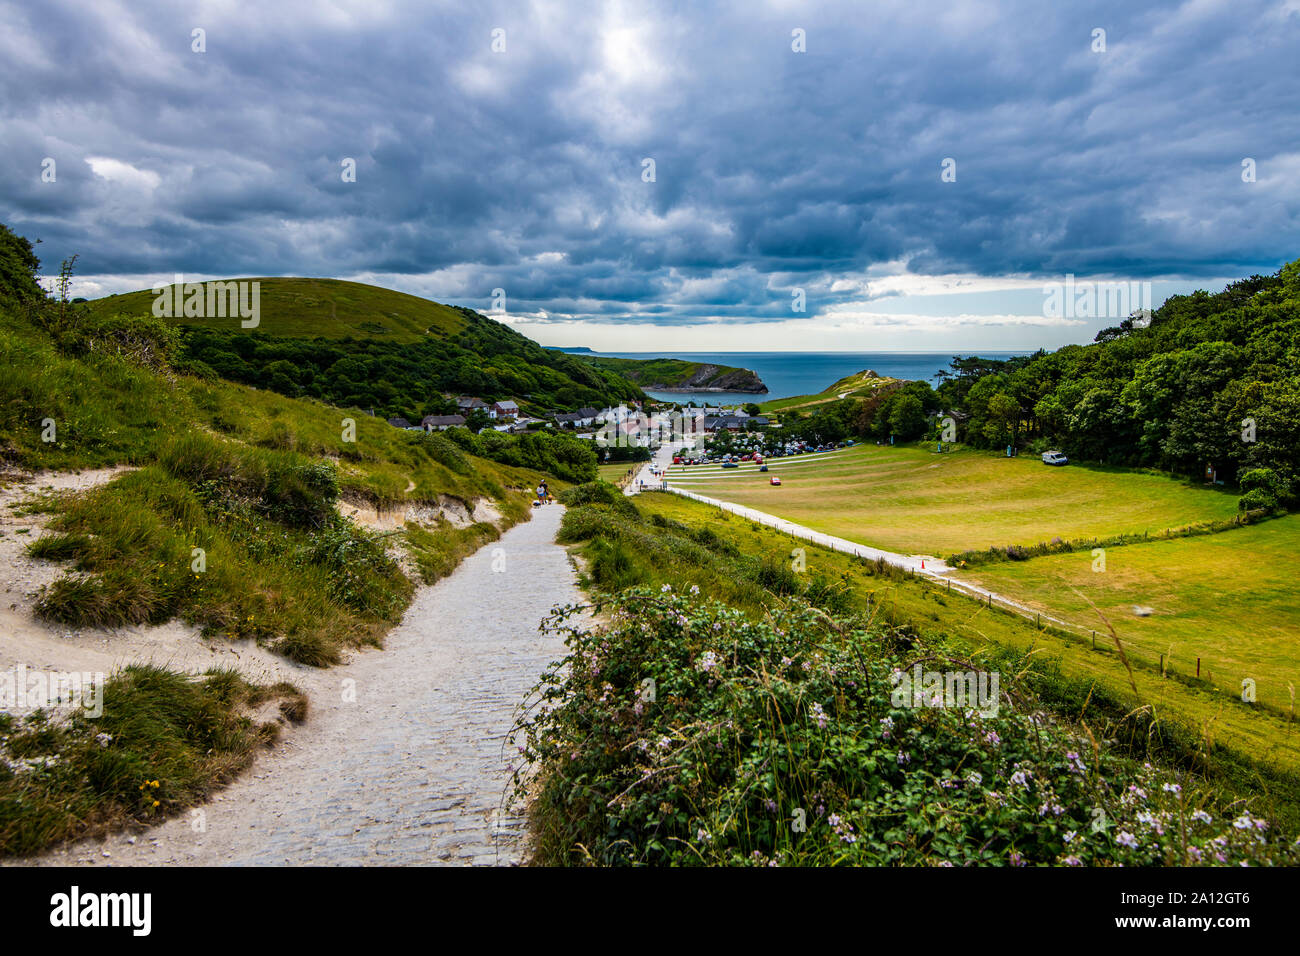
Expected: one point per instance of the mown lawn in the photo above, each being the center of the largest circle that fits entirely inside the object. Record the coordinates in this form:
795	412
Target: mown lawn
1228	598
915	501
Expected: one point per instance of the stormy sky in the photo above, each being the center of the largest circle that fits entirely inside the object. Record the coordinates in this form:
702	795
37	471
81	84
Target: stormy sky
920	171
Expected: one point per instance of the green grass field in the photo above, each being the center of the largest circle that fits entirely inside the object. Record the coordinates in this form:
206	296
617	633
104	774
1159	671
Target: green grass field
1207	712
1228	598
330	308
915	501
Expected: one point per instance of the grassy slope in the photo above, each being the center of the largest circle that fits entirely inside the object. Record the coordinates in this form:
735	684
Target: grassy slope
666	372
247	476
330	308
405	350
112	412
615	472
1256	751
858	385
235	471
915	501
1228	598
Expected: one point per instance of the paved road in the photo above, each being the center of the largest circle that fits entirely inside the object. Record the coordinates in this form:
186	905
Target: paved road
918	564
662	459
923	565
415	769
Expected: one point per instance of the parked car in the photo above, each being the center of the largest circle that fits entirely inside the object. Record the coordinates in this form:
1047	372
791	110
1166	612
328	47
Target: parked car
730	464
1054	458
762	467
775	480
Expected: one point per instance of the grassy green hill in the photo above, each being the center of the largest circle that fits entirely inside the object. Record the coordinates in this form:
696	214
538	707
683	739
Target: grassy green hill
320	308
361	346
862	384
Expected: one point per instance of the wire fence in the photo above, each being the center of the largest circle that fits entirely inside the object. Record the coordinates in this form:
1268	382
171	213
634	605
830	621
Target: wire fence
1275	694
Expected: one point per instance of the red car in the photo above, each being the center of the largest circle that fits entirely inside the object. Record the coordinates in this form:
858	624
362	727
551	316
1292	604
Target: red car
775	480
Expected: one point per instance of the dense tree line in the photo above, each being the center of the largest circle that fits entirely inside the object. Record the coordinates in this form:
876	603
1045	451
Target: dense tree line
902	412
484	359
557	453
18	268
1212	380
1209	380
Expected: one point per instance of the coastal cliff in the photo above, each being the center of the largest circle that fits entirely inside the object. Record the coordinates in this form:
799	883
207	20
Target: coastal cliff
679	375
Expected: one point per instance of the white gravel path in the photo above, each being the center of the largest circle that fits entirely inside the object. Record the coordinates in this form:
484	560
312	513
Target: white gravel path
414	769
918	563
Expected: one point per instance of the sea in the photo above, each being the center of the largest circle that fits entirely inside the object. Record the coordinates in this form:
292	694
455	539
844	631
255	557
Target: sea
806	373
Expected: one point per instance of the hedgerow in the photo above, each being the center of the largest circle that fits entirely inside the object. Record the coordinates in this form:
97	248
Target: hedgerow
685	732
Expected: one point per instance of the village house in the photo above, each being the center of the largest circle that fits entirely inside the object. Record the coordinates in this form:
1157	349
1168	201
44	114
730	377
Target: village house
734	423
440	423
582	418
466	404
506	409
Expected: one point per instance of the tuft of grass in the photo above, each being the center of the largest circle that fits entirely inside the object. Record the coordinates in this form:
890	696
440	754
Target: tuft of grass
206	547
59	547
437	553
164	743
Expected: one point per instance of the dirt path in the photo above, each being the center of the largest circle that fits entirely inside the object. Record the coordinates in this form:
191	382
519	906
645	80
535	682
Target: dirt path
412	767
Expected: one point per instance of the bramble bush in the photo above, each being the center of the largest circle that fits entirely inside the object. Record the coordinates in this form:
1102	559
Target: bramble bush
685	732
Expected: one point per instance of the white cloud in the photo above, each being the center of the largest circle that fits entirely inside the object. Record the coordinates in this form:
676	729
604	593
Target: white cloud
123	174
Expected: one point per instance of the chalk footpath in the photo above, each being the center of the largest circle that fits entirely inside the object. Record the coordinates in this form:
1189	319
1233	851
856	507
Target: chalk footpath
415	768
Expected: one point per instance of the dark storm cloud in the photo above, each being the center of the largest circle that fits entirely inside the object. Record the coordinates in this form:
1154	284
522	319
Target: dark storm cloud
523	170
